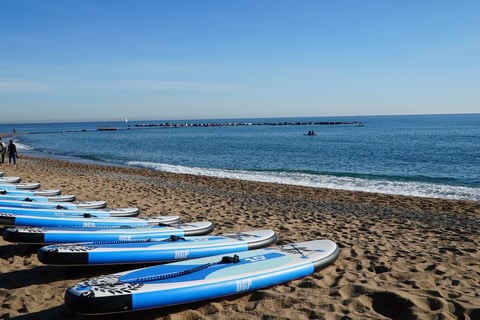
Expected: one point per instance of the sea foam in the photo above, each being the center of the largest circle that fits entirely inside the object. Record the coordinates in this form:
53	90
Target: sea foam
418	189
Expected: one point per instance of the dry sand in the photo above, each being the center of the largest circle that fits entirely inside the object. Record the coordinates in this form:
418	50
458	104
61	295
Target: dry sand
401	258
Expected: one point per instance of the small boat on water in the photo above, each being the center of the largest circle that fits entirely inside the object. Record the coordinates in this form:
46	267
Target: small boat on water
310	133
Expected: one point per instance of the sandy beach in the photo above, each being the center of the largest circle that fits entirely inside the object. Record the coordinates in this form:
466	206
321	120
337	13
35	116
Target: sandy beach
401	257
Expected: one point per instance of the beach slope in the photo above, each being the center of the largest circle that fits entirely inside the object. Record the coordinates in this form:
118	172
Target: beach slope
401	257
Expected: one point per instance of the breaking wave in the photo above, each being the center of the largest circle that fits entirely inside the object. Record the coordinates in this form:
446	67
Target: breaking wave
407	188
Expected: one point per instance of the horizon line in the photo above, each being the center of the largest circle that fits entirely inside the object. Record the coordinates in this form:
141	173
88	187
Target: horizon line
227	118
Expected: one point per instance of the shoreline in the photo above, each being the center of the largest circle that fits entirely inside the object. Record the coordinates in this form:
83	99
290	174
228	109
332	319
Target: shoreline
388	184
412	191
401	256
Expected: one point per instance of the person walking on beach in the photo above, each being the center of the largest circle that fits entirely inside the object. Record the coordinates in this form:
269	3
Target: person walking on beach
3	150
12	153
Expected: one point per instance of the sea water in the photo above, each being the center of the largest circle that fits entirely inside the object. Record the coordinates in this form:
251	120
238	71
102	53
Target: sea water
419	155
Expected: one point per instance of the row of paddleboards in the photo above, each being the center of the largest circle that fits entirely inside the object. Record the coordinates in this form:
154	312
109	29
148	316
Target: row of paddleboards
205	267
63	215
30	192
12	186
19	207
195	266
52	203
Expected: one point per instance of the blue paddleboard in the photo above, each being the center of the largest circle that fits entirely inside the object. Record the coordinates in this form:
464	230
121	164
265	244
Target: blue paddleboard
8	180
43	203
65	212
44	235
83	222
200	279
20	185
161	249
37	199
16	192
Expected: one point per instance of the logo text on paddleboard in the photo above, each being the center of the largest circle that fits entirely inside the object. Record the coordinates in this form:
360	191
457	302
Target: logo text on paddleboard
243	285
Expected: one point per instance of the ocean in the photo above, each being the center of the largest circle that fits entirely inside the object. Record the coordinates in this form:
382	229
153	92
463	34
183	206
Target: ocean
418	155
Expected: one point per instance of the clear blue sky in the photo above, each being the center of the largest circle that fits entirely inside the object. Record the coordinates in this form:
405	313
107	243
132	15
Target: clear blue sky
181	59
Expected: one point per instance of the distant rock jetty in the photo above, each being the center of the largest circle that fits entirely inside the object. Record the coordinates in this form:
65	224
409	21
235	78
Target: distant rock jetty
106	129
202	124
233	124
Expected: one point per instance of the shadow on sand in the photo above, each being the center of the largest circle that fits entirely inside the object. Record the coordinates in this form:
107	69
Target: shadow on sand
48	274
63	312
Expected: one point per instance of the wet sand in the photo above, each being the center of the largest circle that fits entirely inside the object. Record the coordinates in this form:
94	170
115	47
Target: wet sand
401	257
